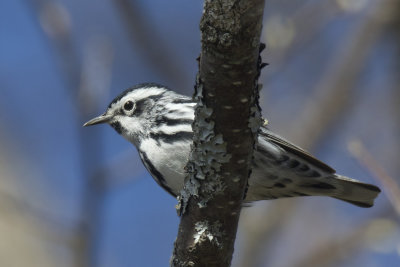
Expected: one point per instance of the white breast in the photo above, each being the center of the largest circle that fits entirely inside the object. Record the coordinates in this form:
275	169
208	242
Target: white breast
169	159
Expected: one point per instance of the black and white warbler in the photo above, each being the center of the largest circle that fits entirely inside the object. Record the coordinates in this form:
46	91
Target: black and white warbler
158	122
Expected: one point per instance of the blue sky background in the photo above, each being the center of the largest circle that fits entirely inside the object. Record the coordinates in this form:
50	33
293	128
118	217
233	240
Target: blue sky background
74	196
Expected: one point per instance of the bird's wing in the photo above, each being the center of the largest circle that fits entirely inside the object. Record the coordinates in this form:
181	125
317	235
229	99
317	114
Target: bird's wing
298	151
281	169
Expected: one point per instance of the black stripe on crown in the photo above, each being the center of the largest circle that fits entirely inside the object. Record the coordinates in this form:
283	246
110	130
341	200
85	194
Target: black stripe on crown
138	86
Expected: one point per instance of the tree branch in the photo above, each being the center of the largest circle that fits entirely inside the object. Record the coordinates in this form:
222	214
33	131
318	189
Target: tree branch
225	129
149	43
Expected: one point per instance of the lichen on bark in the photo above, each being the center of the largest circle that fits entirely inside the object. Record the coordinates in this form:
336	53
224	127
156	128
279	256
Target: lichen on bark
207	155
227	119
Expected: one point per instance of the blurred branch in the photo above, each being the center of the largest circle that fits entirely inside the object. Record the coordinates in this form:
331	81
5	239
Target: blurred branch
395	81
324	108
55	21
145	39
12	203
261	230
364	157
56	24
348	64
333	91
18	214
306	23
347	244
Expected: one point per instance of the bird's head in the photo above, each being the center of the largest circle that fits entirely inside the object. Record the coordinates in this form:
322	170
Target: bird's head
132	113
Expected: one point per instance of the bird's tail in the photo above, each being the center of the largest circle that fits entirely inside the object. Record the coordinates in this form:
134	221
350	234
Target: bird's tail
355	192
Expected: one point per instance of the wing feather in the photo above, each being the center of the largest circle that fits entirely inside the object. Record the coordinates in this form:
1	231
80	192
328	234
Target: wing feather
298	151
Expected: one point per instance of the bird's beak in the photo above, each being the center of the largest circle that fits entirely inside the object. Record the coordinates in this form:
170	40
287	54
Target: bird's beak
104	118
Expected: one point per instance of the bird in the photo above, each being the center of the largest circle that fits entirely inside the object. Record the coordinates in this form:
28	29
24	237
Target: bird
158	122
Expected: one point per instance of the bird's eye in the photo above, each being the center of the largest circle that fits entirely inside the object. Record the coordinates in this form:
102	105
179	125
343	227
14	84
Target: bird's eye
128	105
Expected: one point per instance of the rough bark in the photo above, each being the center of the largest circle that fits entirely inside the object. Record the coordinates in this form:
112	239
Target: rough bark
225	128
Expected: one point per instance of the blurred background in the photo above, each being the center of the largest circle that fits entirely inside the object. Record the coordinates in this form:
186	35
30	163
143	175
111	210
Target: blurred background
73	196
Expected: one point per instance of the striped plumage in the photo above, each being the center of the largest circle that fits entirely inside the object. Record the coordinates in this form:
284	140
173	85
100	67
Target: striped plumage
158	122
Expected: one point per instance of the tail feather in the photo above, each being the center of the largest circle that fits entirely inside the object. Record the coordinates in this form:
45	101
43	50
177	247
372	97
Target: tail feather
355	192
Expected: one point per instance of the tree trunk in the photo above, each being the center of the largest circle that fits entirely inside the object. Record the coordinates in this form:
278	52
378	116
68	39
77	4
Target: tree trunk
227	119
